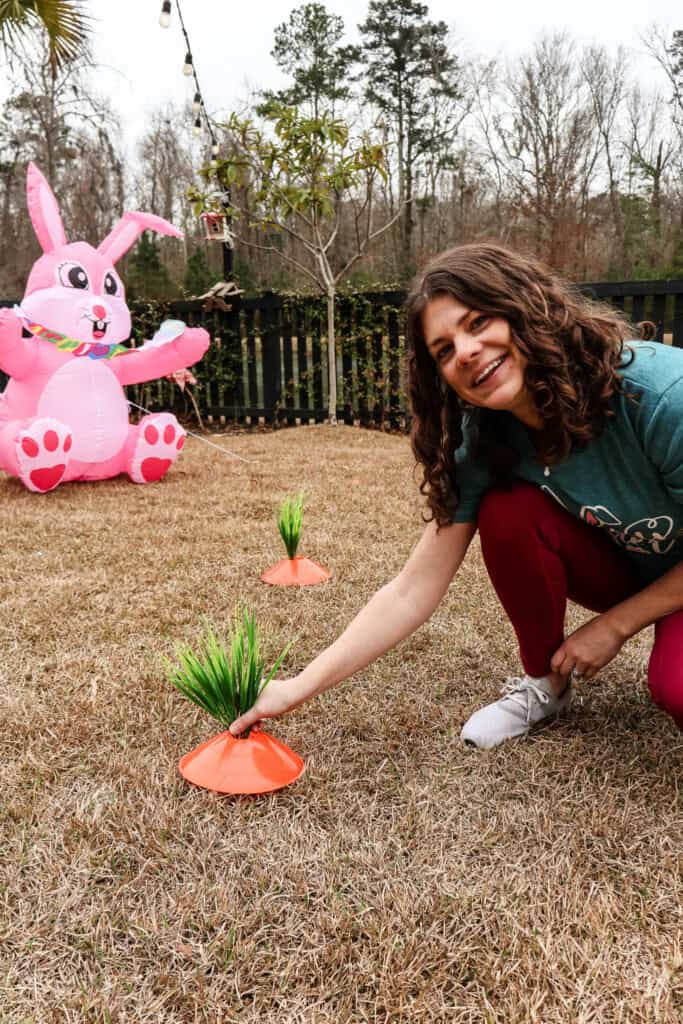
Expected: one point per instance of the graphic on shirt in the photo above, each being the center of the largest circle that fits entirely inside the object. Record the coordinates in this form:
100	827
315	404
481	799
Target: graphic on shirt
598	515
650	536
547	490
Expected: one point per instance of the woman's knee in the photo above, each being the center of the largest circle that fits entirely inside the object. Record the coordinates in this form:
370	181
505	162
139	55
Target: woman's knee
510	511
665	670
668	695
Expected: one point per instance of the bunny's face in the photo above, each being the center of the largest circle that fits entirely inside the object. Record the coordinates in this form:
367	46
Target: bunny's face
76	291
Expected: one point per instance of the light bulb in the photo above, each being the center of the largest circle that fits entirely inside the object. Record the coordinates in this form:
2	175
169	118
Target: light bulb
197	130
196	103
187	66
214	149
165	16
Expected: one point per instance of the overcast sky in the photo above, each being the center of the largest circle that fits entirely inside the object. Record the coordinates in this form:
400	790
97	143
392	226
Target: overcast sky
232	41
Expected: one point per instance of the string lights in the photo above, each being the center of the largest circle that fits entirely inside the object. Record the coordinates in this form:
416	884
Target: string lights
199	112
201	120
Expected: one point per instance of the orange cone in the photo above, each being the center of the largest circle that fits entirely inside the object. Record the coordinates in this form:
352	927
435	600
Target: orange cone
228	764
296	572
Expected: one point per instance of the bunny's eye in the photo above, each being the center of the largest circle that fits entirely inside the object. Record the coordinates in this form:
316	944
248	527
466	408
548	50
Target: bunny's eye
112	285
72	275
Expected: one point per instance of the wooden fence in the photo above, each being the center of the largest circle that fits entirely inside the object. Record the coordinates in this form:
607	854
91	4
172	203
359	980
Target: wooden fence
268	360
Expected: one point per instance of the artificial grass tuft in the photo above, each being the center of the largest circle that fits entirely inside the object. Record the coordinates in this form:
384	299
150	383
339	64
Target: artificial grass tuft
290	522
224	682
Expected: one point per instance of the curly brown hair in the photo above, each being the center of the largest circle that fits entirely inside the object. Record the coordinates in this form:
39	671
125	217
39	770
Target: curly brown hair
573	347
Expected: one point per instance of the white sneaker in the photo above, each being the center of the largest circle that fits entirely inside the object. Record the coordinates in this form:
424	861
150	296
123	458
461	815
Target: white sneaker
526	702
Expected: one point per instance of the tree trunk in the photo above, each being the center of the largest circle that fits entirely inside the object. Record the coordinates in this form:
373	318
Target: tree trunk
331	358
657	172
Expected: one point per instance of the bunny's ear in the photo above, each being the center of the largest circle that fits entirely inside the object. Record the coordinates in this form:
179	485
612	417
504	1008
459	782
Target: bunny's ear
43	210
129	229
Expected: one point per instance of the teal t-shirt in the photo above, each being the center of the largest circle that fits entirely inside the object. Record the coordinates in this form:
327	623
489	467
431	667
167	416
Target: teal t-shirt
628	481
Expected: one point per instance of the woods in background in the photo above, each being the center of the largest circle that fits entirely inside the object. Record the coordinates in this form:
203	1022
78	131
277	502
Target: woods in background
559	151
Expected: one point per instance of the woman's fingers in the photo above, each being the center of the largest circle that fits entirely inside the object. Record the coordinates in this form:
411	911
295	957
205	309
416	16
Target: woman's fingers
569	665
275	699
244	721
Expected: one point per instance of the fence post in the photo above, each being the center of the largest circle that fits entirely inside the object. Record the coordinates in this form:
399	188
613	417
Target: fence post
270	345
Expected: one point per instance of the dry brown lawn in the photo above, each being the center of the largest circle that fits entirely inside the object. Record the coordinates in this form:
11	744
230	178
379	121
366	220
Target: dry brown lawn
403	878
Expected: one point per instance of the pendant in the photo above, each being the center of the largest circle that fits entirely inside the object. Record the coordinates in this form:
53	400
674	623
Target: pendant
546	471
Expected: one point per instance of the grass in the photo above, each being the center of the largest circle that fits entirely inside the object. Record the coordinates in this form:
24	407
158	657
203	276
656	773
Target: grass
224	683
403	878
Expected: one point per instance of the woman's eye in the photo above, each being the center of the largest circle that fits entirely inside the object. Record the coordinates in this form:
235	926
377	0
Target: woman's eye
443	353
480	321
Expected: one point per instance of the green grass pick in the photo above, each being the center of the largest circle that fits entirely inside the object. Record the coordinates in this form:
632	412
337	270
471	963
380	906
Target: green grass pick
224	682
290	522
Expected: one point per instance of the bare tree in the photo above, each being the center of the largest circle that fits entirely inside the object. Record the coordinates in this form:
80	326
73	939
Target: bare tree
541	134
606	81
668	53
58	121
651	147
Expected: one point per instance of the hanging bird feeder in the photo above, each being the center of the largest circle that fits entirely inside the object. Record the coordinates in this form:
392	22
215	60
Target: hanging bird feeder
216	227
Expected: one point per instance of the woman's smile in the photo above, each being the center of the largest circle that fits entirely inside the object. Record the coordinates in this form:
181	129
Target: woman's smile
477	357
489	371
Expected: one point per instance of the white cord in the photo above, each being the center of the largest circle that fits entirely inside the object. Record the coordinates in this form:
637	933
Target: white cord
220	448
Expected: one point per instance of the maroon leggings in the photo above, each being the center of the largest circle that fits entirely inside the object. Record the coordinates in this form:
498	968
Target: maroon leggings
538	555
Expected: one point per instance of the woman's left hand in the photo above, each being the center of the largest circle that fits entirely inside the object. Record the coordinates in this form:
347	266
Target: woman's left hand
588	649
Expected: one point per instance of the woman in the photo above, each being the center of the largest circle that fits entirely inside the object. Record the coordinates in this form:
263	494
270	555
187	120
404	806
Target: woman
537	424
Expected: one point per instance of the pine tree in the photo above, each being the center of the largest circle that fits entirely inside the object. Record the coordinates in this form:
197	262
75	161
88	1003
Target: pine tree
147	277
198	274
411	76
307	48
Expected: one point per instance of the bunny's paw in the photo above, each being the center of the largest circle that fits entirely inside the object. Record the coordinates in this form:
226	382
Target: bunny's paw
43	454
160	439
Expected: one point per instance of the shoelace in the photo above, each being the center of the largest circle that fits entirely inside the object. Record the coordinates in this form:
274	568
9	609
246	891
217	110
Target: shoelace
518	688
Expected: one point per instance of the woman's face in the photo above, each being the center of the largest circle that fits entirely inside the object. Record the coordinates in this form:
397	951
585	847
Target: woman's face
475	355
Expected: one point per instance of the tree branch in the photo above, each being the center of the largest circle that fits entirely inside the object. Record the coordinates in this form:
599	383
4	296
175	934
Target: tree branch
365	243
284	256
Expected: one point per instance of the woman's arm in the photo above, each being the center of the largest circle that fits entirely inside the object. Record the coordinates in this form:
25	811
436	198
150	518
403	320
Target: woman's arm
390	616
653	602
592	646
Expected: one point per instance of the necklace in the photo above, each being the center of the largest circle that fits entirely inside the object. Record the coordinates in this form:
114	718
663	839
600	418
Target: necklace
91	349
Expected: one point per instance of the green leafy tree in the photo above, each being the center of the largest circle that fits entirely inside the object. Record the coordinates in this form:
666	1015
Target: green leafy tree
65	21
411	76
298	174
307	48
675	268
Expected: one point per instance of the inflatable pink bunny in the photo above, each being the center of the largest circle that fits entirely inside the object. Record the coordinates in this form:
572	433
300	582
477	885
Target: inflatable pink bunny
64	415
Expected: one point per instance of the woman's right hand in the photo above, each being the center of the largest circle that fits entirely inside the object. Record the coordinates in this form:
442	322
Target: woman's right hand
275	699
